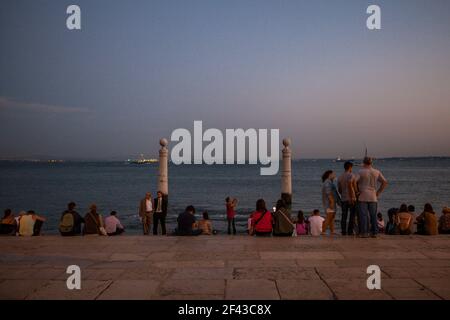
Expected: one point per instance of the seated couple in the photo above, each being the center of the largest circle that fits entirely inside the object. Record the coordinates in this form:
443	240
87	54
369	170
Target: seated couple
188	226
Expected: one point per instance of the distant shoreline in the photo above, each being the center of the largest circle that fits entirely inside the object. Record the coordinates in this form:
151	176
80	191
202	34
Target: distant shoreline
69	160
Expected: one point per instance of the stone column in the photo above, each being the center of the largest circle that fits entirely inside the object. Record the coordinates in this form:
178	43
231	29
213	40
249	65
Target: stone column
286	174
163	177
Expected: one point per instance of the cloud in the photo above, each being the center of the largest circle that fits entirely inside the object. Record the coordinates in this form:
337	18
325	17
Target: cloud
12	104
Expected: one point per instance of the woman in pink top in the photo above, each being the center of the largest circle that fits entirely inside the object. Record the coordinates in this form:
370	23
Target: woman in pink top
231	214
301	226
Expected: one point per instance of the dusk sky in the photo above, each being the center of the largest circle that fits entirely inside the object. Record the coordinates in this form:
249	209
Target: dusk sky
140	69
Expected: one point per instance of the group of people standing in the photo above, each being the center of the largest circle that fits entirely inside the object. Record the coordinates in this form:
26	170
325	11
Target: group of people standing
153	211
357	195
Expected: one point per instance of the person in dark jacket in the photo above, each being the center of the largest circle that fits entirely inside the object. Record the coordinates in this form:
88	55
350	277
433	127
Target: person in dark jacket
77	221
160	213
186	221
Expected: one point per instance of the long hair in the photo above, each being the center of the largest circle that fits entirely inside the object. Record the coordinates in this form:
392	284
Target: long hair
326	175
280	204
300	217
261	206
428	208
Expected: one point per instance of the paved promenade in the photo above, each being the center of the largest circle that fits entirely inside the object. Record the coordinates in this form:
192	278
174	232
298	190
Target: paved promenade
225	267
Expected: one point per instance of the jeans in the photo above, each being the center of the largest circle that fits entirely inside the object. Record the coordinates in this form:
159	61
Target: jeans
159	217
231	222
368	213
346	207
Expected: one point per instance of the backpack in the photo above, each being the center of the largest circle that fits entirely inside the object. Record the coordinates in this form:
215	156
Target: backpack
67	223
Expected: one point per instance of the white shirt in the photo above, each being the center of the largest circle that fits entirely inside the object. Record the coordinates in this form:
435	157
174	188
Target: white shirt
367	180
158	205
111	224
148	205
315	225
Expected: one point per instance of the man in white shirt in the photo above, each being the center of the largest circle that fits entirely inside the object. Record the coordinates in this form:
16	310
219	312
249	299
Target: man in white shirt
315	223
367	182
146	212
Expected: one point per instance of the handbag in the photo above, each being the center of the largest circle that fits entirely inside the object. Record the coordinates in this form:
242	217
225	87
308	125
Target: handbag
294	231
253	228
101	228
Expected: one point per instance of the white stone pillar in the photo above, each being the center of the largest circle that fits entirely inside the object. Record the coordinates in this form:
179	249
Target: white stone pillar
286	174
163	177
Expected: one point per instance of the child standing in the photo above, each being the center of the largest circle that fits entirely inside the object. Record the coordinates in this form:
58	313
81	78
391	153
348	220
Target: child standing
231	214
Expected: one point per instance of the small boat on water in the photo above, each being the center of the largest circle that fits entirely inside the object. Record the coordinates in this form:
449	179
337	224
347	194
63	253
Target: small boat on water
142	160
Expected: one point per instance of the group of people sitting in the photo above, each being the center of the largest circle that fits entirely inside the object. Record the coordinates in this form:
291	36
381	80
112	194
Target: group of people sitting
71	223
27	223
403	221
262	222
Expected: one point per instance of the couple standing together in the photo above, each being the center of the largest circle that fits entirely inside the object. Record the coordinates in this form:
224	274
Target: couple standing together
357	194
153	210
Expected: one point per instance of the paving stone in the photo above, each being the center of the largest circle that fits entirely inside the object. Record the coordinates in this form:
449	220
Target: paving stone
57	290
130	290
356	289
312	263
190	264
251	289
275	273
304	290
203	273
127	257
101	274
420	272
19	289
215	255
437	254
145	274
192	287
349	273
407	289
260	263
322	255
31	273
433	263
413	267
382	255
437	286
379	262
